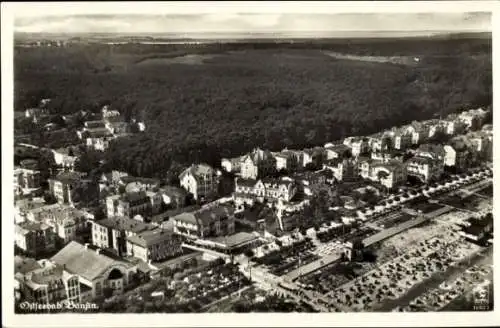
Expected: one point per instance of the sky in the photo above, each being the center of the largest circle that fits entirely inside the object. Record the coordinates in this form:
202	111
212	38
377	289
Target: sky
255	23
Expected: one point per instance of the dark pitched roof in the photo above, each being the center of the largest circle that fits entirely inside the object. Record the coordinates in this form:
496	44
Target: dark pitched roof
95	124
246	182
338	148
124	224
173	191
205	215
98	133
146	181
151	237
276	182
135	197
25	264
198	170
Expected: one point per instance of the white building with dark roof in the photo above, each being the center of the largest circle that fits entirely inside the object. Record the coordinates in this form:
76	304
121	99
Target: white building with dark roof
95	269
206	222
48	283
154	245
201	180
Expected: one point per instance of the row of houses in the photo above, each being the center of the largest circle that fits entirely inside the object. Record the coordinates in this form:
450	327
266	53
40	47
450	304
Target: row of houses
98	134
260	163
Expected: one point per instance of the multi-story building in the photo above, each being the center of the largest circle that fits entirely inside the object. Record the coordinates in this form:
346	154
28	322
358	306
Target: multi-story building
419	132
402	139
272	190
64	185
26	181
154	245
313	156
390	174
49	283
342	169
425	168
67	222
482	144
144	203
200	180
34	237
454	125
232	164
206	222
112	233
96	270
259	163
432	151
380	142
358	145
364	167
286	160
473	119
307	181
65	157
336	151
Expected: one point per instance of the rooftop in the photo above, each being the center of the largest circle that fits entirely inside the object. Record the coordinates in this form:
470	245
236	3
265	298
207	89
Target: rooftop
68	177
85	262
95	124
124	224
60	214
151	237
237	239
246	182
147	181
25	264
198	170
135	197
206	215
28	226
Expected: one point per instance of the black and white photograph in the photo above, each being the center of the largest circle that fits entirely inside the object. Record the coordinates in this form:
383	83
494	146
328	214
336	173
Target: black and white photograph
244	158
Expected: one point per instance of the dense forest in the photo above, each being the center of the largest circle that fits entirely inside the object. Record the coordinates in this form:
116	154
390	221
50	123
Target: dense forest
228	98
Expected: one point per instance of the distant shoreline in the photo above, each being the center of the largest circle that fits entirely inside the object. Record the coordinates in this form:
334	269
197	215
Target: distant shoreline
209	37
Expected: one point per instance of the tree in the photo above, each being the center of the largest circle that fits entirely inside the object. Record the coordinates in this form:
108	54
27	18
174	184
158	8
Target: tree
49	198
88	161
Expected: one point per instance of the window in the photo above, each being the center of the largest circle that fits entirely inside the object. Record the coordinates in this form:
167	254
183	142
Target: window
98	288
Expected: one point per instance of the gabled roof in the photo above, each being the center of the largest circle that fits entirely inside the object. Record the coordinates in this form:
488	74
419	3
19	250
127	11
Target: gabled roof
250	183
338	148
198	170
420	160
151	237
276	182
85	262
431	148
124	224
97	133
135	197
147	181
95	124
206	215
25	264
28	226
68	177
